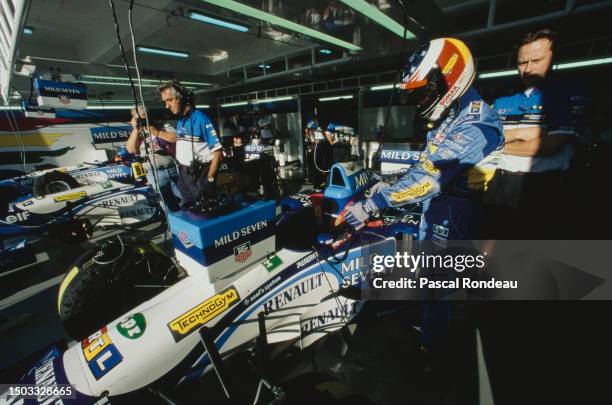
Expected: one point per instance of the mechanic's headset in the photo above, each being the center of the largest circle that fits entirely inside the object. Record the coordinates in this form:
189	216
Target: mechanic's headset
184	95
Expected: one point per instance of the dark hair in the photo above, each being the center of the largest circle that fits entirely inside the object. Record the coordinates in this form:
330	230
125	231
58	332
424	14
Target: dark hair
540	34
181	92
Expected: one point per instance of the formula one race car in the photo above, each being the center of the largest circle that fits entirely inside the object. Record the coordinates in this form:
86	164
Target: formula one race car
250	280
71	202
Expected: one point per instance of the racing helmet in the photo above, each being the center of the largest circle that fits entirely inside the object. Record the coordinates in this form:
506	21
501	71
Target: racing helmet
438	73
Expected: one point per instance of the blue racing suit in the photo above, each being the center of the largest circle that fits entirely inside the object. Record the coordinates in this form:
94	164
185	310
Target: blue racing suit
455	167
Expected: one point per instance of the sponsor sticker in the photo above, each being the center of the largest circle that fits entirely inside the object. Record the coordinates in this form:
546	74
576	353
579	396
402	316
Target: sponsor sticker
133	326
475	107
450	64
272	262
104	362
203	313
242	252
93	345
184	238
417	190
430	168
70	196
107	185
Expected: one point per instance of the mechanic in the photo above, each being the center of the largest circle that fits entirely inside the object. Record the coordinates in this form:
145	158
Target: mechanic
462	148
342	135
541	123
320	156
163	143
198	149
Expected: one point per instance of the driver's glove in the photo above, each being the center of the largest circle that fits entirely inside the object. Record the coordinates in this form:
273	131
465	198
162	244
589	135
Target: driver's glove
381	185
357	214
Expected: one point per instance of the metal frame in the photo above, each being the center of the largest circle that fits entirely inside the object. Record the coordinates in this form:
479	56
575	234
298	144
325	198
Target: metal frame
12	19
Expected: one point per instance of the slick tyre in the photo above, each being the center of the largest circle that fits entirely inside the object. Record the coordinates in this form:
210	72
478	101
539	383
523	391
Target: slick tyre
89	298
53	182
102	286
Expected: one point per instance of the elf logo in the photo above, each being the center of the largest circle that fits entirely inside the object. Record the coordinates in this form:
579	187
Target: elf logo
19	217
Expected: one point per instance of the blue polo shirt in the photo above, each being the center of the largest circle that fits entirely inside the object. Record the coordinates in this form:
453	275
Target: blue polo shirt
196	136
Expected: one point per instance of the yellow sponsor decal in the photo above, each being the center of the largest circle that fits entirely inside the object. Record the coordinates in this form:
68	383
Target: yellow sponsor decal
450	65
93	345
137	170
31	139
418	190
430	168
203	313
71	196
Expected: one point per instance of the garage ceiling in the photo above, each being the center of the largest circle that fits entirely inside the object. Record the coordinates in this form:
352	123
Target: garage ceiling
77	37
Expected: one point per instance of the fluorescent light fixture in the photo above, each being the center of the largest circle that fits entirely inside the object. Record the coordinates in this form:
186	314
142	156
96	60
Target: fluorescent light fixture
262	66
560	66
325	51
373	12
272	100
218	22
345	97
9	107
253	12
28	30
383	87
148	81
239	103
109	107
584	63
202	106
502	73
165	52
116	83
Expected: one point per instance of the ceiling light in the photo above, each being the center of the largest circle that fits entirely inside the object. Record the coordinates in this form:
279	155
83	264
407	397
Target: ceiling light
560	66
28	30
345	97
243	9
165	52
373	12
149	81
272	100
109	107
590	62
115	83
202	106
218	22
262	66
218	56
9	107
383	87
501	73
325	51
239	103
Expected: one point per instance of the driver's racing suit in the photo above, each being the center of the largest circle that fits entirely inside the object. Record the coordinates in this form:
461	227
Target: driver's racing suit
455	167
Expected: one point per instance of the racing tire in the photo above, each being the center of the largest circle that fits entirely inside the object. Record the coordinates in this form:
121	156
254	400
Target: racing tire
53	182
95	292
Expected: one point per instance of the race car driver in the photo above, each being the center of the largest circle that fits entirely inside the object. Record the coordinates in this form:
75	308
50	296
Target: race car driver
462	148
198	149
